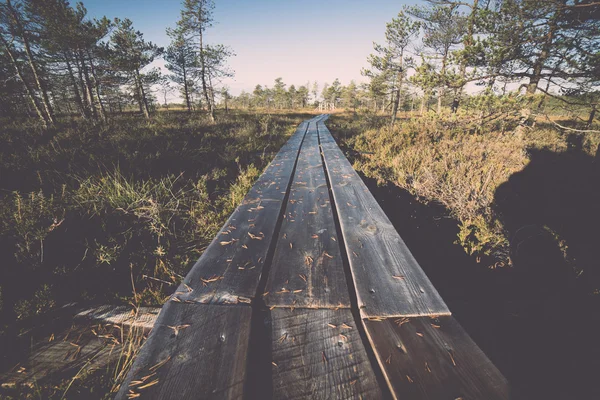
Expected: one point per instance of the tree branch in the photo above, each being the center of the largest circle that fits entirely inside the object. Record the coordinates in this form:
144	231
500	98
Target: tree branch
570	129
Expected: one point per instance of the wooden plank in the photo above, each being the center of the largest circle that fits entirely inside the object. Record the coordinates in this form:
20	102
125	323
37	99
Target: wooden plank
83	346
144	317
307	269
318	354
230	268
194	351
389	281
433	358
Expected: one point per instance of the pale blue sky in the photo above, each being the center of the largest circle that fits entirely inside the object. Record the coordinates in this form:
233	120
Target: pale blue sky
297	40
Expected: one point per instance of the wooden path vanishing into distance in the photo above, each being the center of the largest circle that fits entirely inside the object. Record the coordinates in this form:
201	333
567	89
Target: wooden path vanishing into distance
309	292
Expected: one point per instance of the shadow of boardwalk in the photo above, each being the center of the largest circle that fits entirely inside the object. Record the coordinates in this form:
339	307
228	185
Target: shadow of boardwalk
536	321
551	210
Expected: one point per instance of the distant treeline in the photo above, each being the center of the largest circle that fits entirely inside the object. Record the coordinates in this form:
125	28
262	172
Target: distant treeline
308	95
530	51
54	60
550	47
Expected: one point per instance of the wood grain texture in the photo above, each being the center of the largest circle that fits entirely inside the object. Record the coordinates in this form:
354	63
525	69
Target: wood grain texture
81	347
434	358
194	351
307	269
389	281
230	268
318	354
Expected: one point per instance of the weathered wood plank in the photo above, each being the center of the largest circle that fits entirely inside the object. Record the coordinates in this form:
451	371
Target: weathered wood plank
81	347
194	351
307	269
433	358
389	282
230	268
144	317
318	354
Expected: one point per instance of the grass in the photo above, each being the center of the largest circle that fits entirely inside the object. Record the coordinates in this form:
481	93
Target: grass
504	221
118	213
99	376
457	160
90	212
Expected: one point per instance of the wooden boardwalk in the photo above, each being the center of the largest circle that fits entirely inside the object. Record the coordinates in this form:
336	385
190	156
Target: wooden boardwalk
309	292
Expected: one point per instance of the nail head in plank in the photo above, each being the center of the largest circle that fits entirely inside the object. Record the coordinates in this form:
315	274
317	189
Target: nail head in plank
194	351
389	281
318	354
433	358
307	268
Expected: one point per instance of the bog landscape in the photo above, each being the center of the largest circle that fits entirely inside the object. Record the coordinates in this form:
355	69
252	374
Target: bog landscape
429	229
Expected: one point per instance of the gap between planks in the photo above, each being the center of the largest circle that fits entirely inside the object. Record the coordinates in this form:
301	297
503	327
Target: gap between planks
388	280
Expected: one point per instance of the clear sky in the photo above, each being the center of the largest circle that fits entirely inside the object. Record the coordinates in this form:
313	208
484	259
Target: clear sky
297	40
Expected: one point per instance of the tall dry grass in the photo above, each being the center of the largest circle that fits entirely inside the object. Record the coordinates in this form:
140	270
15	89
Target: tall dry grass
457	160
84	207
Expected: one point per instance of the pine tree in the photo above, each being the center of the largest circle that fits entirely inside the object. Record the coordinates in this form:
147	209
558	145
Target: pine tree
130	54
444	28
279	93
302	96
259	96
181	61
196	18
426	78
388	64
350	96
334	92
543	45
20	42
315	92
225	97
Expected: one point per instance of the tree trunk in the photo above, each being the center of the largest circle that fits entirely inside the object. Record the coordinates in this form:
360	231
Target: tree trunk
468	42
78	99
213	103
96	85
203	79
119	103
142	95
536	75
398	85
590	120
45	100
186	90
395	107
538	65
89	90
84	89
442	89
28	89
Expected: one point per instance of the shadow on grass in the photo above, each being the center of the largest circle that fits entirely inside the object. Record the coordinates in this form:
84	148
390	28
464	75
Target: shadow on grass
169	144
551	210
537	321
64	258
